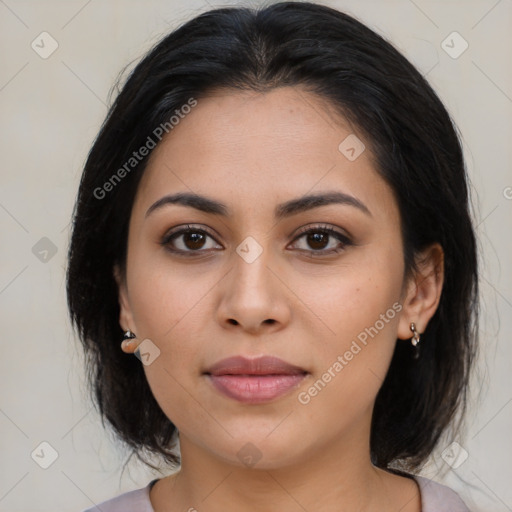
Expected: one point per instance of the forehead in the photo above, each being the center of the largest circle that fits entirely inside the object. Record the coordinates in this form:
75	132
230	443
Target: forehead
226	121
261	147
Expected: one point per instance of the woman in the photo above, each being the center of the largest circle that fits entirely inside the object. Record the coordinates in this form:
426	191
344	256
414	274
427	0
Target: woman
275	214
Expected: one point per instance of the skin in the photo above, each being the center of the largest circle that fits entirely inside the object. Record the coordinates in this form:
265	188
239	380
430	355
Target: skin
253	151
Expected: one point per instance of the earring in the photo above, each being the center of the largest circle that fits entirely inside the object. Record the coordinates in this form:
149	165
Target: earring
415	340
127	340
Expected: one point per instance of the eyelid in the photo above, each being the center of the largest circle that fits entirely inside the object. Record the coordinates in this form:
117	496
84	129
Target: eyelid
184	228
324	227
344	238
189	227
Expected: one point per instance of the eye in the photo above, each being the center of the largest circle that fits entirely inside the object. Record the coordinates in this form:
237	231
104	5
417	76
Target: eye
323	240
189	239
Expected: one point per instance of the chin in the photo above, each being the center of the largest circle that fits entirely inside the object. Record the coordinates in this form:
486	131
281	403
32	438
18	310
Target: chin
259	452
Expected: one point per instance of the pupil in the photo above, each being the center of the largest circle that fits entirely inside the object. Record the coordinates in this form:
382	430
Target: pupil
194	240
316	238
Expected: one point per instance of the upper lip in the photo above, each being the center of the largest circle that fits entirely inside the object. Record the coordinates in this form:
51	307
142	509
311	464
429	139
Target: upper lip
263	365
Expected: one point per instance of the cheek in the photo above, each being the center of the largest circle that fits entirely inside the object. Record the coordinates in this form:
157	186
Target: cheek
351	364
355	297
168	309
360	306
173	375
166	295
173	318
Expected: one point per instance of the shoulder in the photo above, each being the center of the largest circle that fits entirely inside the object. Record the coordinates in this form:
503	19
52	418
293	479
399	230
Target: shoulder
132	501
436	497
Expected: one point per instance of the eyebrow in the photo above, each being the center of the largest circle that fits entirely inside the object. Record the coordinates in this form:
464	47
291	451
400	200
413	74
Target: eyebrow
282	211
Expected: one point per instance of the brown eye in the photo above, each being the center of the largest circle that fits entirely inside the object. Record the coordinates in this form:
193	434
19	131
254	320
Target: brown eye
189	240
193	240
322	240
317	240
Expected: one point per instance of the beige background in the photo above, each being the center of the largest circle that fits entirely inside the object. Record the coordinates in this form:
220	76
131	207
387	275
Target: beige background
51	110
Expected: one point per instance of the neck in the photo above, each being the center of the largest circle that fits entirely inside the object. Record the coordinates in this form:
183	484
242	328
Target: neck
329	477
320	484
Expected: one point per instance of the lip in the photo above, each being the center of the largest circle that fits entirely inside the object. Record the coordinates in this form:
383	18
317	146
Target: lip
263	365
254	381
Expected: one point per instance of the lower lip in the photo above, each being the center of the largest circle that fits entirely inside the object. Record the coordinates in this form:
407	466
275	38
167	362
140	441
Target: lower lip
255	389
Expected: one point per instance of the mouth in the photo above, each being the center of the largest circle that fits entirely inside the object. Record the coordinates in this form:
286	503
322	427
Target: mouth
254	381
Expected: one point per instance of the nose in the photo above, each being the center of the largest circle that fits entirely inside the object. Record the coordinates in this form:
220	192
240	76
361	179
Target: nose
253	298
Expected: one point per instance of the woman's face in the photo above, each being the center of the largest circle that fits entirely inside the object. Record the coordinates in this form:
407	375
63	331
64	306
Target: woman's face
248	281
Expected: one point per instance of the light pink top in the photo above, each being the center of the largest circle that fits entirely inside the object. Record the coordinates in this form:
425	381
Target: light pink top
434	498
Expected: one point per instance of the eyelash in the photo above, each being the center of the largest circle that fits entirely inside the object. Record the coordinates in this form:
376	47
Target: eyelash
324	229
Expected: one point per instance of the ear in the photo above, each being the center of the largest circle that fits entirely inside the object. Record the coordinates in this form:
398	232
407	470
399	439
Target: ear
125	315
423	291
